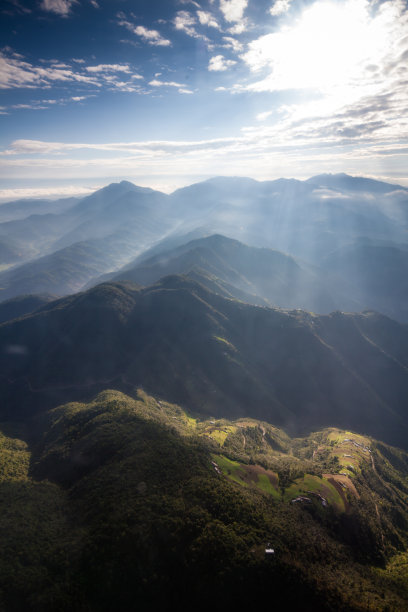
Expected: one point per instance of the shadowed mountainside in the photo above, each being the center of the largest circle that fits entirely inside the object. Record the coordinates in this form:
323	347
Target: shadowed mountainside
22	305
216	355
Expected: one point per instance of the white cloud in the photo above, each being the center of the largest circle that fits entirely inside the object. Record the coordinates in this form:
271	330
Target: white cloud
232	43
238	28
191	2
46	192
59	7
185	22
18	73
152	37
108	68
263	116
218	63
233	10
157	83
207	19
39	147
342	51
262	151
280	7
185	91
33	106
95	4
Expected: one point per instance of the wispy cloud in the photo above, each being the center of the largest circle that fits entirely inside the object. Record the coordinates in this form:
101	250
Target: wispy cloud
109	68
16	7
232	43
157	83
38	147
45	192
185	22
152	37
44	103
261	151
15	72
218	63
59	7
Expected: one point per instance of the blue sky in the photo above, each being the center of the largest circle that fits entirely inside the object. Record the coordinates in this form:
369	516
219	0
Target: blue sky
168	92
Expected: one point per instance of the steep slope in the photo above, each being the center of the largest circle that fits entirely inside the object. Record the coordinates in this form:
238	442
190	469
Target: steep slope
69	269
132	499
98	235
273	276
216	355
119	206
117	209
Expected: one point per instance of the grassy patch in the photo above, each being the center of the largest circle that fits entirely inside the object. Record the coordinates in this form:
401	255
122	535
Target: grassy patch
232	469
265	485
315	484
220	433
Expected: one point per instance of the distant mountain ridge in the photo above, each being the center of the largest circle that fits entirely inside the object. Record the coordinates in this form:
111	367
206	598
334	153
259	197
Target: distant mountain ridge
277	279
313	221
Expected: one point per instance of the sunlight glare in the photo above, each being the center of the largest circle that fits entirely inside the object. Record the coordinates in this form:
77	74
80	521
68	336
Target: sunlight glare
330	45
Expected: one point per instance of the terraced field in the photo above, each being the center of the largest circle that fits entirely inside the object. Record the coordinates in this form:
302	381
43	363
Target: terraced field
248	475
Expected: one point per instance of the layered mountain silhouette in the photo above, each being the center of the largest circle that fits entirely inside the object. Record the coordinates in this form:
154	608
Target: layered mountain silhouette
260	276
328	224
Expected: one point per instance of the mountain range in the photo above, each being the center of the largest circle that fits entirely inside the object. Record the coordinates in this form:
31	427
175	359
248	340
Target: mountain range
204	398
216	355
339	242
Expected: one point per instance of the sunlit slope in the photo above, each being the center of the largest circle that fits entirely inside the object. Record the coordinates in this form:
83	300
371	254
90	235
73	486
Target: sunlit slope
216	355
133	499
